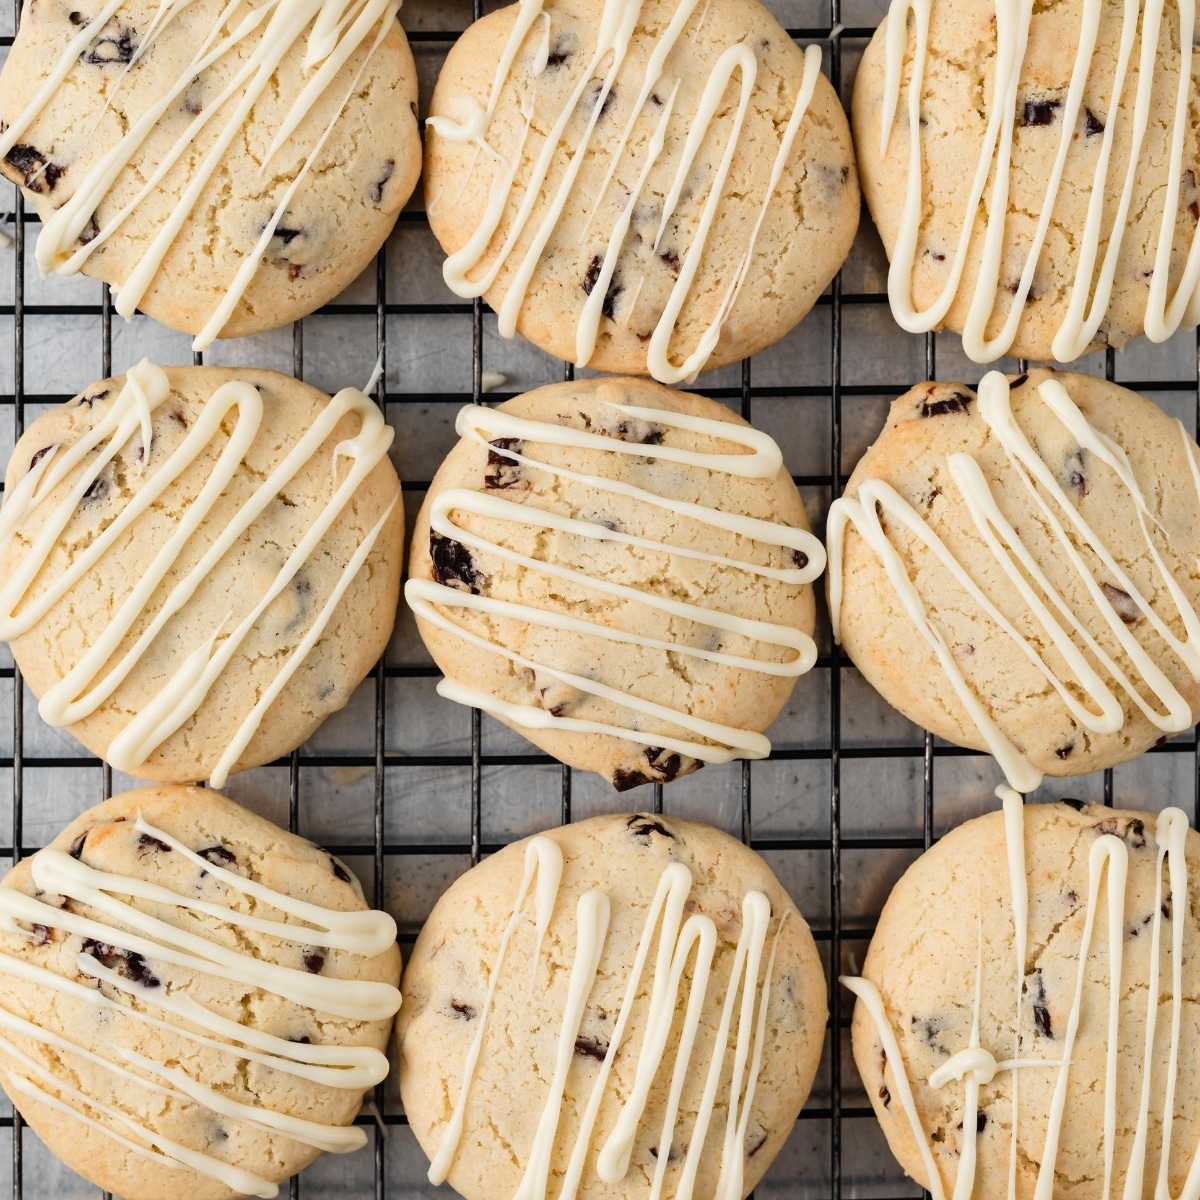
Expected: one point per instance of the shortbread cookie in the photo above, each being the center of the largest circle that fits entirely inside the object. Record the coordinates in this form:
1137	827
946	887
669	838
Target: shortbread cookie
628	1001
1005	995
1016	571
226	168
620	572
198	565
192	1002
1051	204
651	188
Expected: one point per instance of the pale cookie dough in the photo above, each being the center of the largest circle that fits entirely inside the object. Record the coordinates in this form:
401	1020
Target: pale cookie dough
620	572
1016	571
580	1005
1031	219
199	565
649	188
1034	937
227	168
192	1001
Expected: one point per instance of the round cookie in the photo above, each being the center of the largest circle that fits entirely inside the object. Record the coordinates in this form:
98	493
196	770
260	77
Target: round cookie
225	168
1015	571
1052	202
541	1013
198	564
192	1001
649	190
620	572
1039	907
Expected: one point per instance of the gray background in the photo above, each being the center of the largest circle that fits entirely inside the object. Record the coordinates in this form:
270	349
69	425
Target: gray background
403	784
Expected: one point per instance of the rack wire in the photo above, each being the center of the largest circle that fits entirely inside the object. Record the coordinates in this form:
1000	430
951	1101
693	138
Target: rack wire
851	793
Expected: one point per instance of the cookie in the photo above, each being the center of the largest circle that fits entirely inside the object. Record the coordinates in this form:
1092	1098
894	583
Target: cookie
646	188
1050	201
192	1001
225	168
632	1005
1002	1029
1015	571
620	572
198	564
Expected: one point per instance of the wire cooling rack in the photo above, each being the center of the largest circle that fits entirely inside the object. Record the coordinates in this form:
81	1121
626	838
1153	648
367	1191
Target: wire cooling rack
411	790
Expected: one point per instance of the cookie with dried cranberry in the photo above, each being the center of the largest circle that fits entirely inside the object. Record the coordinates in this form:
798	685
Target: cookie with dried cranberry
192	1001
621	573
651	191
1014	569
1020	1024
582	1004
226	171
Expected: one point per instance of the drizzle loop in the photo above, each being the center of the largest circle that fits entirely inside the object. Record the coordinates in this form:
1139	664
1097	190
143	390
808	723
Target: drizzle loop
426	597
1101	710
617	24
364	934
88	684
1108	861
336	30
1091	288
678	942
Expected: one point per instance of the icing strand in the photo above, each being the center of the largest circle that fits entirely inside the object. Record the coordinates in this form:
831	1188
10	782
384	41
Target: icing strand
712	742
1090	290
465	272
336	30
678	942
92	680
1108	868
364	934
1063	626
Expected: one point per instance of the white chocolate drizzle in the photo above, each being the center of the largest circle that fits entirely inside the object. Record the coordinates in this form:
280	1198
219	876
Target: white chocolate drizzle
361	933
679	941
427	598
258	40
1093	672
92	680
1098	243
1108	863
465	272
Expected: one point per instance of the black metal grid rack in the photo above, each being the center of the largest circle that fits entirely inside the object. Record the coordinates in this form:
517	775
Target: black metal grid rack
846	800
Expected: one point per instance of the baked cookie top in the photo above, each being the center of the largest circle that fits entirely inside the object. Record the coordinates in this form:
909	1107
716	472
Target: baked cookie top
1016	571
192	1001
649	188
1027	1015
199	564
620	572
1049	203
631	1005
226	167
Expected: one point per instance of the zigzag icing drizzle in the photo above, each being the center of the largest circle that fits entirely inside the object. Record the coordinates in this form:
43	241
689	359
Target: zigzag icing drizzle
88	684
1101	711
1091	287
679	941
335	31
135	932
496	430
1108	864
464	270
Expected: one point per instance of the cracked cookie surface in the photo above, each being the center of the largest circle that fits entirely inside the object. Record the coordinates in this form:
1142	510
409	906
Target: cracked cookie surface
226	168
1067	880
620	572
607	141
625	858
160	1042
1014	569
192	586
